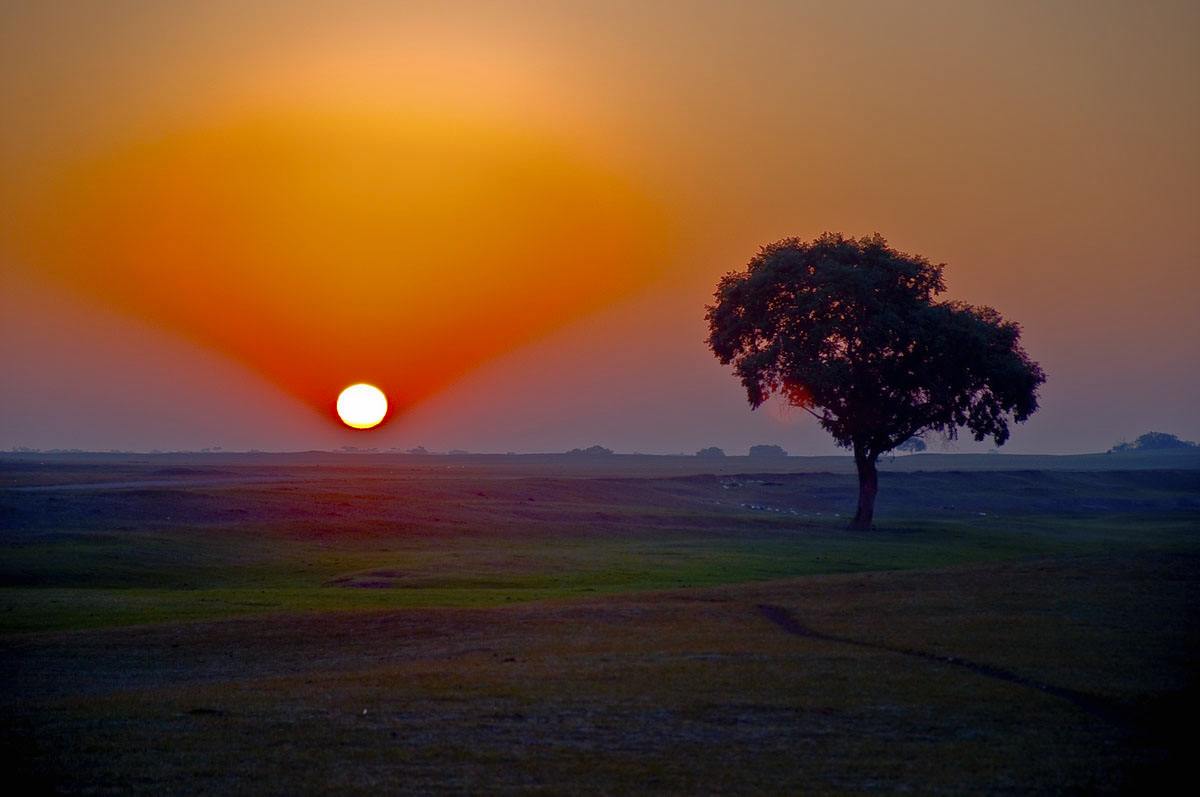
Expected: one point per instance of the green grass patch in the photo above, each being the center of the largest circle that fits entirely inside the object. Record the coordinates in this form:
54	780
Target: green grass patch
103	579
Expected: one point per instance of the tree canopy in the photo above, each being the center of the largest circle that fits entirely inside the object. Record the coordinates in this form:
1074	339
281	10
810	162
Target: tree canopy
853	331
1154	441
590	451
767	450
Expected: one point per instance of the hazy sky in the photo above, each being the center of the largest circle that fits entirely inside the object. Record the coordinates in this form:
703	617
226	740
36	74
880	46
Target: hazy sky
511	215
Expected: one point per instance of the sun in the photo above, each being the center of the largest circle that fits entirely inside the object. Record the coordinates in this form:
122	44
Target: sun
362	406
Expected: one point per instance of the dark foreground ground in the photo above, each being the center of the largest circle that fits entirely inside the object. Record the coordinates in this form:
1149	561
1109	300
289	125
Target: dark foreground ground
367	625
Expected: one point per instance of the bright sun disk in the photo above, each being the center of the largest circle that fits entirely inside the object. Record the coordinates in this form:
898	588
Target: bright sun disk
361	406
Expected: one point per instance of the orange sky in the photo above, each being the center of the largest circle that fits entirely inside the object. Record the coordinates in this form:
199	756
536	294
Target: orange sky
511	214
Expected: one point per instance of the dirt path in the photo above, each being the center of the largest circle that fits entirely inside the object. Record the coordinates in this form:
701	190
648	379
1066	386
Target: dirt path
1097	706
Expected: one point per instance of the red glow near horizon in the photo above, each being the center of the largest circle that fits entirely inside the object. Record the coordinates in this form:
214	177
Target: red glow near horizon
322	249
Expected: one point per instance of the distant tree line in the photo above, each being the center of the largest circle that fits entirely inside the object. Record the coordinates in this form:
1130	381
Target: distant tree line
767	451
1153	441
590	451
712	452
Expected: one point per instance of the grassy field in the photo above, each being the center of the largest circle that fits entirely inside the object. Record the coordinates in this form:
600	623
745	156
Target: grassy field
301	623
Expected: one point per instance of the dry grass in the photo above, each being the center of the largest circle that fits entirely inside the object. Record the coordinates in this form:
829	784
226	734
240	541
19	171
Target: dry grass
635	658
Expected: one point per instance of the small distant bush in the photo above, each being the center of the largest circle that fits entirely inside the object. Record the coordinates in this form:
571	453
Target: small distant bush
710	452
767	451
1153	441
590	451
418	450
913	445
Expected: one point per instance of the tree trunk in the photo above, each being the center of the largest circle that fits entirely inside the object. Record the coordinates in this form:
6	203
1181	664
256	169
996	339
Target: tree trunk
868	487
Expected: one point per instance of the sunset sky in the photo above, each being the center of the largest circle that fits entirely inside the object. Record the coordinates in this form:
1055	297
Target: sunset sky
510	215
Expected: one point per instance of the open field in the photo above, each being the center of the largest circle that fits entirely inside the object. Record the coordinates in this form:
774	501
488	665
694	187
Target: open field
610	625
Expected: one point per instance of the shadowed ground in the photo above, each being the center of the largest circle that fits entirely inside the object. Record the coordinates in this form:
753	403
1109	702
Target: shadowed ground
371	630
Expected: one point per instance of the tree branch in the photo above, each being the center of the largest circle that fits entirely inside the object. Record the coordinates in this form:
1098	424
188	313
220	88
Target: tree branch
810	412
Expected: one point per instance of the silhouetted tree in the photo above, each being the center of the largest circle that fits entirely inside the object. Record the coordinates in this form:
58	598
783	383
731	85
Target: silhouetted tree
590	451
851	331
1154	441
767	451
913	445
711	451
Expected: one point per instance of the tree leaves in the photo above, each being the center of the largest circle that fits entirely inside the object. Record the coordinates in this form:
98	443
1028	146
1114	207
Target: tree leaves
852	331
